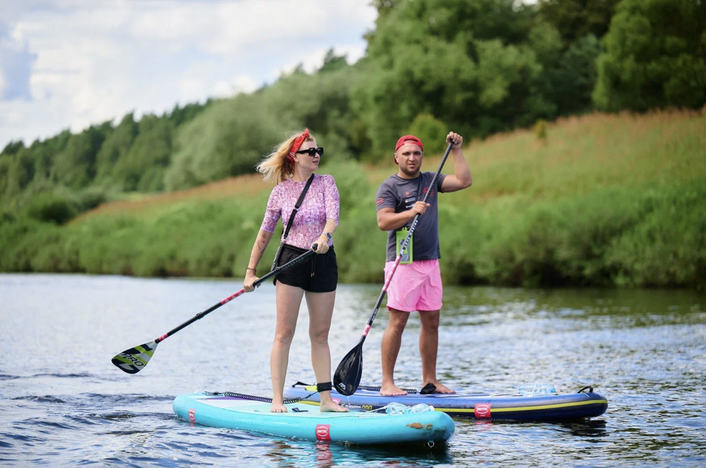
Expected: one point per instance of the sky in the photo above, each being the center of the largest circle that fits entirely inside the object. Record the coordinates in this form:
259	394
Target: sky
68	64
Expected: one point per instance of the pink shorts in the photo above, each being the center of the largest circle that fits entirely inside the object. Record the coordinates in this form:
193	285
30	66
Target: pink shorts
415	287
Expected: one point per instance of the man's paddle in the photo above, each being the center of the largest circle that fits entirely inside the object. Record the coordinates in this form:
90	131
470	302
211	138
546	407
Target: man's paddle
348	373
135	359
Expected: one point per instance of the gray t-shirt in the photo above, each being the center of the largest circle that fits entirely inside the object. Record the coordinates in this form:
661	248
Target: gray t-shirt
401	194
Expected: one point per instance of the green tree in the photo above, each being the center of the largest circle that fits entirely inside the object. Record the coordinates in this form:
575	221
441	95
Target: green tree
576	19
568	76
144	165
180	115
19	172
225	140
655	56
74	167
5	164
333	62
431	131
13	148
322	103
466	63
45	153
115	147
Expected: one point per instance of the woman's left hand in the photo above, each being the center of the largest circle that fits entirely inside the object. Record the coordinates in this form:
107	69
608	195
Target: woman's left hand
321	244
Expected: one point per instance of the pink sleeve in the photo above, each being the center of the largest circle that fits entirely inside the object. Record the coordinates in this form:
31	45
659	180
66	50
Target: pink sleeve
332	198
273	211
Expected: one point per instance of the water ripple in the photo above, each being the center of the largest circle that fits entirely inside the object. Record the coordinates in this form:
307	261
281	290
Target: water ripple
644	350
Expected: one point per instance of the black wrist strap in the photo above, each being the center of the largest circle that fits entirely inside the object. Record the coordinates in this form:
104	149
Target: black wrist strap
296	207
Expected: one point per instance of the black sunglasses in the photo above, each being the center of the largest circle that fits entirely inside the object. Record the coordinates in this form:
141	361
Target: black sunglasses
312	151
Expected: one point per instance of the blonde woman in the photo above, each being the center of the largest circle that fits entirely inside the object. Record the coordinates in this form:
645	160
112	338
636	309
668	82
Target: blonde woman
291	166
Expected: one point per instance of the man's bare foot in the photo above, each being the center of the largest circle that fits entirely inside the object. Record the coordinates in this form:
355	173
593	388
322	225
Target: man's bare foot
441	388
332	406
278	408
391	390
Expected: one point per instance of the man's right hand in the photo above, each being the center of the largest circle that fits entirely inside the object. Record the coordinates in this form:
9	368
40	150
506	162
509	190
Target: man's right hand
420	208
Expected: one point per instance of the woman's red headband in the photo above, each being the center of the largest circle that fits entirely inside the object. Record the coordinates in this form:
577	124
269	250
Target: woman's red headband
297	144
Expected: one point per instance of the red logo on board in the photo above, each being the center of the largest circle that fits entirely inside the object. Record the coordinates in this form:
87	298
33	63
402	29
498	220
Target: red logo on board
482	410
192	415
322	432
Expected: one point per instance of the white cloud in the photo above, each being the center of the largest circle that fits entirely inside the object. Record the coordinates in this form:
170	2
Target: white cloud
315	59
238	84
98	60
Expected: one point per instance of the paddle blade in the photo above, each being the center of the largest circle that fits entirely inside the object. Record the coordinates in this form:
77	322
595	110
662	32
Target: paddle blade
135	359
347	376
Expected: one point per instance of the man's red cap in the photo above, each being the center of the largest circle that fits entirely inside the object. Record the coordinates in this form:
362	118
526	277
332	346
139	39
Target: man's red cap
411	139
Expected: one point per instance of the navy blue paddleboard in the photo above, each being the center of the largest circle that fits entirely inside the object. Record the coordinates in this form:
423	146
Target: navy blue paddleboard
582	404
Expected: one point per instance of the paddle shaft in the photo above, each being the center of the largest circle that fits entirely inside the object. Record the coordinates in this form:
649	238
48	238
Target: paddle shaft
403	249
257	283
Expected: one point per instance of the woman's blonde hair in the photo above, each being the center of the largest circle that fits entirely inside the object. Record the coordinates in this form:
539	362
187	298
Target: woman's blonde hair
276	166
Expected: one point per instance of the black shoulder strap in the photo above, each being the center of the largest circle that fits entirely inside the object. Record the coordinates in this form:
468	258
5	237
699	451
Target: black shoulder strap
296	207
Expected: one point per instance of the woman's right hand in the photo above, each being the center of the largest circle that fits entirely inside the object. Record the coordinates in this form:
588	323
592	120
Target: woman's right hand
248	282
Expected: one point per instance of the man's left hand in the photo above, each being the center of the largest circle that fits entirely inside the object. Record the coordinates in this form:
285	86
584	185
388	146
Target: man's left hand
456	138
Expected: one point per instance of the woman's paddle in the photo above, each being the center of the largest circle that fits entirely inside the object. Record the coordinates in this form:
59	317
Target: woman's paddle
135	359
348	373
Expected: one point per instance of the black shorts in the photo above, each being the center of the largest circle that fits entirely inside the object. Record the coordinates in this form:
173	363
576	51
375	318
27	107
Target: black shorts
318	273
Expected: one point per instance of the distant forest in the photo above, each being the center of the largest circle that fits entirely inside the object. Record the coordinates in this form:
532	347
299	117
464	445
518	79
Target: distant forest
477	67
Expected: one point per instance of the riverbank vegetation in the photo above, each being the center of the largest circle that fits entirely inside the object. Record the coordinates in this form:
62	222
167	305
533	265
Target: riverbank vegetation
605	200
563	194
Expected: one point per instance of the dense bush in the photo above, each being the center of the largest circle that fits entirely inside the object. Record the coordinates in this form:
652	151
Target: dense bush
51	207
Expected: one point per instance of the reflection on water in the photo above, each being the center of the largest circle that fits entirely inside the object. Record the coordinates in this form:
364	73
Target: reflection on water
299	453
63	403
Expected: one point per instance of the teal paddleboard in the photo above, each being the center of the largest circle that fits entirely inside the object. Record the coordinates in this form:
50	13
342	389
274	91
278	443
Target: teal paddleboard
306	422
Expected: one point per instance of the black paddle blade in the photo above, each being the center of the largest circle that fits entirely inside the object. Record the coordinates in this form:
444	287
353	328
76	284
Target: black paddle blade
135	359
348	373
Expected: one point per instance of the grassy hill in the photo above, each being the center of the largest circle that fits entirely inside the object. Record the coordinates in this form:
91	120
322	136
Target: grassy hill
604	200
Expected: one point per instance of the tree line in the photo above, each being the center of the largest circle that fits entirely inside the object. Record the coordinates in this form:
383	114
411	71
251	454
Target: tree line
477	67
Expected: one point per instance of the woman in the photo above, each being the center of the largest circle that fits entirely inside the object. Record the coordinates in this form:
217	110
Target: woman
290	166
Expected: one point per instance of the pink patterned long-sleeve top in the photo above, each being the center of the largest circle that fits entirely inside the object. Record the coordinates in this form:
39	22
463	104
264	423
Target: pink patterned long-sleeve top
321	203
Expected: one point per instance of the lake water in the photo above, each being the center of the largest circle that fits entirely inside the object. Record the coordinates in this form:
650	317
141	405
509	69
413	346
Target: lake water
62	403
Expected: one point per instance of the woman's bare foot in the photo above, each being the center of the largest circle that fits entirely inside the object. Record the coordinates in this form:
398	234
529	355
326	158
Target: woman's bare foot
278	408
391	390
331	406
441	388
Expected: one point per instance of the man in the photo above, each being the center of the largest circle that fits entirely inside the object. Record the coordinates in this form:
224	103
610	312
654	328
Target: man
415	286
